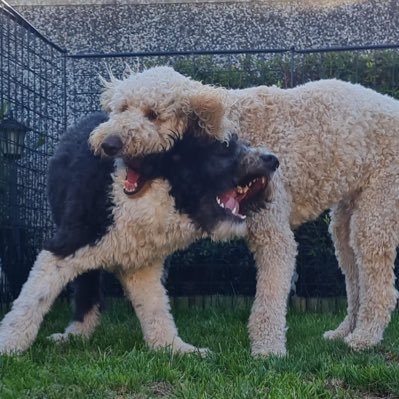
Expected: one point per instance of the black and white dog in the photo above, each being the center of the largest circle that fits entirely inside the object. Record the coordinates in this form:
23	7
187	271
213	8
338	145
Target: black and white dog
126	216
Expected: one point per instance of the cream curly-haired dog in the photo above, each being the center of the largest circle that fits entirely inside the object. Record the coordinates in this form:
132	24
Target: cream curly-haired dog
126	216
338	144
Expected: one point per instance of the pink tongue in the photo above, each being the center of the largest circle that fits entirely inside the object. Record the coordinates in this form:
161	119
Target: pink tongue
131	179
229	200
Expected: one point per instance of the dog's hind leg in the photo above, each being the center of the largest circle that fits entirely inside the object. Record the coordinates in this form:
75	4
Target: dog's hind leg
340	232
151	303
374	238
88	304
48	277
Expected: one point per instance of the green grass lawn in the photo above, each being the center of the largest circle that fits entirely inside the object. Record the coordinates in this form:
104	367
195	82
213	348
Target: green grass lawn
115	363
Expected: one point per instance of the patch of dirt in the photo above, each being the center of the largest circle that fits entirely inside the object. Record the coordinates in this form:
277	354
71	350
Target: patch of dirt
161	389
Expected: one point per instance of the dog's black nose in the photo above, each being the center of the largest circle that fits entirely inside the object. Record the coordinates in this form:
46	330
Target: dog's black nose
271	161
112	145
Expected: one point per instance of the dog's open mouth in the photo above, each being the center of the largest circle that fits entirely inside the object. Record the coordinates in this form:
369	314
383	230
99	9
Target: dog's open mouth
136	177
234	200
134	182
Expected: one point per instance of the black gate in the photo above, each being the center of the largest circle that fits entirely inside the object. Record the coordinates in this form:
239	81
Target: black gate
32	115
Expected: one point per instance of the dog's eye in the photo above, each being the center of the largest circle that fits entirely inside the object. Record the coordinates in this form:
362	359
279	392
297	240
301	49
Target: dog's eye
151	115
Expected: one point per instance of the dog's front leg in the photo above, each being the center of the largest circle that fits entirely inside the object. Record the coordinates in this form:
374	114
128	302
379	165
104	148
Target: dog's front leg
151	303
47	278
273	245
88	303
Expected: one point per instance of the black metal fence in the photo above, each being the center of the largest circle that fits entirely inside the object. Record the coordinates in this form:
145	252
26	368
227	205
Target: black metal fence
43	88
32	115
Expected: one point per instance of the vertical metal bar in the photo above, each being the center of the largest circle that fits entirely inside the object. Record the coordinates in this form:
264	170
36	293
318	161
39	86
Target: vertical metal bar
8	62
14	78
2	50
64	91
292	66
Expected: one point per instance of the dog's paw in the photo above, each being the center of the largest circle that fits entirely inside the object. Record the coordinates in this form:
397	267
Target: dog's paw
8	347
343	330
336	334
59	337
183	347
332	334
13	343
361	340
10	350
278	351
203	352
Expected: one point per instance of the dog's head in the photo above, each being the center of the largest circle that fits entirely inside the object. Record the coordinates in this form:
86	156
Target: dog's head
148	109
215	183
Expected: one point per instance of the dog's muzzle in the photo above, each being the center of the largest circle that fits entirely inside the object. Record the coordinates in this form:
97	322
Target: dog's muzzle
112	145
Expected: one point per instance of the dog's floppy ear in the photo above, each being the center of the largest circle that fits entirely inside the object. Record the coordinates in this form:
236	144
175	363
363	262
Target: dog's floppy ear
208	107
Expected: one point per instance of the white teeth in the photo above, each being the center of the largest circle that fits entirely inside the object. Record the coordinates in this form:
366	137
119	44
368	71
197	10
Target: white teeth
263	180
234	211
220	203
131	189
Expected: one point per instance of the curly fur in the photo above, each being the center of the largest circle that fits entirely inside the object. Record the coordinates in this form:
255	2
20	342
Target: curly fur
98	225
338	144
80	202
134	117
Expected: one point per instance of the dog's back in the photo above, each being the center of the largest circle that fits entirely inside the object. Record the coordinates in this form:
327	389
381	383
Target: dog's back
78	184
